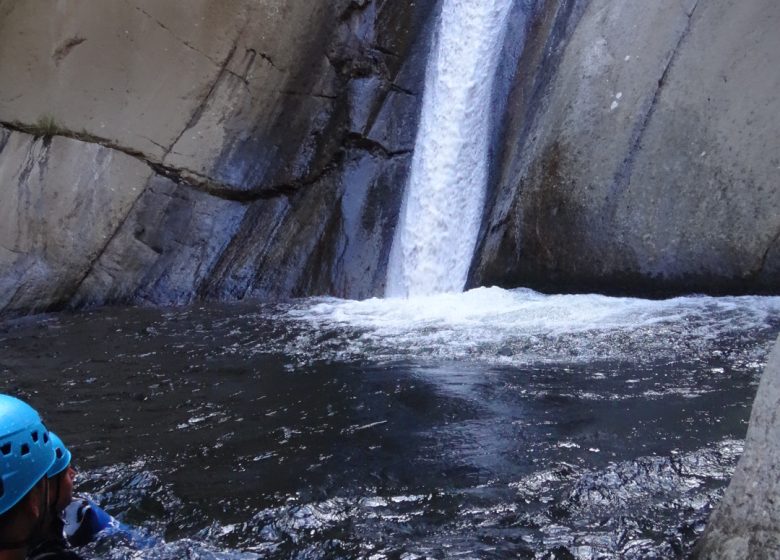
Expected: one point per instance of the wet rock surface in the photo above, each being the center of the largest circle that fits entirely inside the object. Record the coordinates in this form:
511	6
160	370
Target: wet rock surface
745	524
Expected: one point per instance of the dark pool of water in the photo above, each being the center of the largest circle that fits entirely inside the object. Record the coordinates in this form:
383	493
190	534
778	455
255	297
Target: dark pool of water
203	429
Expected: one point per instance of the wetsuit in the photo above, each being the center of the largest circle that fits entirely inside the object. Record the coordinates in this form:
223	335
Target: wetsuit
84	520
54	549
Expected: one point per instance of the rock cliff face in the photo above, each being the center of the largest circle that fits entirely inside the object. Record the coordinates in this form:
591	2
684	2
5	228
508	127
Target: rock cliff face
152	152
61	202
643	155
157	153
746	524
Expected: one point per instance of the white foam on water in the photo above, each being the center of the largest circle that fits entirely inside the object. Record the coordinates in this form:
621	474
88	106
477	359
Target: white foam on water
442	208
520	326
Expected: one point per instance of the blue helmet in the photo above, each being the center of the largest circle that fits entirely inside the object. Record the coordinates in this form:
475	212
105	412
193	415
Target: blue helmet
61	456
26	452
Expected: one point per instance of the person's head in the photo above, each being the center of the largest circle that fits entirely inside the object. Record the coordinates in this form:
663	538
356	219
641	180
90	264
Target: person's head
26	455
61	476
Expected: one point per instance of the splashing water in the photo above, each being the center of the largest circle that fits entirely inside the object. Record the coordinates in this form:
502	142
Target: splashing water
521	327
440	216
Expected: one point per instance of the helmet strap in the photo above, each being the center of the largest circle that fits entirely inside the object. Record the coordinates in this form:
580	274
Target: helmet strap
43	518
56	498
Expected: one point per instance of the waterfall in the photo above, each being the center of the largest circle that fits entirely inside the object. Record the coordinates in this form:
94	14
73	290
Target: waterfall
444	198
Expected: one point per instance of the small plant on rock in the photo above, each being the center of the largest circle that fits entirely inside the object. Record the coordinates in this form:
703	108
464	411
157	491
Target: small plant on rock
45	126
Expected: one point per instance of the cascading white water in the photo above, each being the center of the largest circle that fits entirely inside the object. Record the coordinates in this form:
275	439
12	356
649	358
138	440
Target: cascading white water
442	208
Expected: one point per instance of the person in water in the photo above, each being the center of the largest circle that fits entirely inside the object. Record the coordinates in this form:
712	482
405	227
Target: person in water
61	476
74	521
26	455
52	543
39	516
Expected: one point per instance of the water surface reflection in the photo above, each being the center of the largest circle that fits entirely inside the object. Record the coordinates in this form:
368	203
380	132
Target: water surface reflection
273	431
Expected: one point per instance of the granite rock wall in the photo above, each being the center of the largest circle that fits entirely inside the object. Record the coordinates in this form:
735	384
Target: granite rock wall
642	152
254	149
157	153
